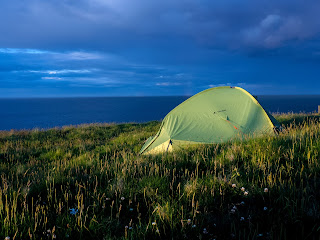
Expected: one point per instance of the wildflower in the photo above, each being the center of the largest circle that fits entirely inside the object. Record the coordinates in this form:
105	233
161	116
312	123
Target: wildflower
246	193
7	238
205	231
234	207
234	185
107	199
122	198
242	189
242	203
130	209
233	210
189	221
126	227
242	219
193	226
73	211
154	223
130	228
48	233
265	209
266	190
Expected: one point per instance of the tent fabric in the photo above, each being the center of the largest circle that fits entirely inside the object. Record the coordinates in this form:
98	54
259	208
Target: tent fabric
214	115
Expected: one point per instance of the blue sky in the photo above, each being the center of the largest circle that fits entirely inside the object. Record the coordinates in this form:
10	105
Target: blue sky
154	48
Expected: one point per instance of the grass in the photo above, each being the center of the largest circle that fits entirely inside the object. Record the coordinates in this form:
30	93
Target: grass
89	182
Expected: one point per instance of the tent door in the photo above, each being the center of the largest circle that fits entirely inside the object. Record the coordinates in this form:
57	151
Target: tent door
170	143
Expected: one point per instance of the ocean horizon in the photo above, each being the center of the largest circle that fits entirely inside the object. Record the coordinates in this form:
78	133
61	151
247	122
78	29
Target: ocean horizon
44	113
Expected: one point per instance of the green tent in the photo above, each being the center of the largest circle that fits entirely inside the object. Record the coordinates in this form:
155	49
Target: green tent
215	115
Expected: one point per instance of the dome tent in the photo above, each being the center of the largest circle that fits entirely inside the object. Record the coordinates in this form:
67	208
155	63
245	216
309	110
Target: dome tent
214	115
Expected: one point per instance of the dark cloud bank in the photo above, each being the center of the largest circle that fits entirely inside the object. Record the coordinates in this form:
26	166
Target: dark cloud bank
141	47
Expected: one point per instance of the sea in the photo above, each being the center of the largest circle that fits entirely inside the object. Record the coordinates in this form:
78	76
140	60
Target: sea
44	113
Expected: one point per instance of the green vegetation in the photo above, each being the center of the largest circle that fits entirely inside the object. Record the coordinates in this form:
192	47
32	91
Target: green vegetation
89	182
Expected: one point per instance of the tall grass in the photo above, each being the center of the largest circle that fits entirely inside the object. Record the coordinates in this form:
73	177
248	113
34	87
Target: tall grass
89	182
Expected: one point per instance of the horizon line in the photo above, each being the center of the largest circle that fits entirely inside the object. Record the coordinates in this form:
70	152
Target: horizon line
133	96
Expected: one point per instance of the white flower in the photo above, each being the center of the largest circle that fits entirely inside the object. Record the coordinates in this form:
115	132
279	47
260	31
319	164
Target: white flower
122	198
266	190
154	223
234	207
193	226
265	208
246	193
126	227
242	189
233	210
7	238
205	231
107	199
234	185
189	221
242	203
73	211
242	219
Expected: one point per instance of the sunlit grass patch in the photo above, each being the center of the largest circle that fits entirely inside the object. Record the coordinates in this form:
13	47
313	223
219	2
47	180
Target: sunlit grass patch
90	182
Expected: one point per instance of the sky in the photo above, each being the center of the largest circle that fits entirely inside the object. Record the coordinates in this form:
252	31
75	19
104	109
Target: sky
72	48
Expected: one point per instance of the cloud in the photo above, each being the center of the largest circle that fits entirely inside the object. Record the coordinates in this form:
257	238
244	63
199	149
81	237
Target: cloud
79	56
61	71
51	78
271	21
92	81
22	51
68	55
168	84
182	76
117	25
84	81
274	30
157	47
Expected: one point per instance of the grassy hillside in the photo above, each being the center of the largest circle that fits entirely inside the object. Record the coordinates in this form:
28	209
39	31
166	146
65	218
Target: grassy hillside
89	182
